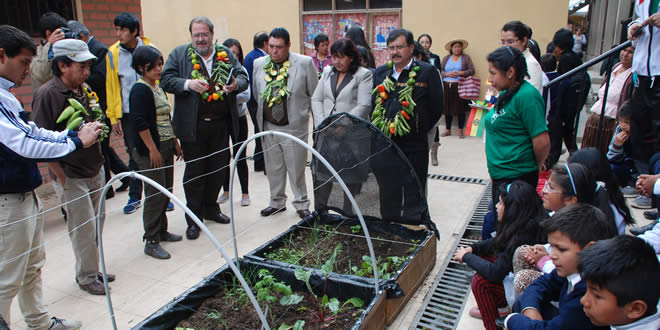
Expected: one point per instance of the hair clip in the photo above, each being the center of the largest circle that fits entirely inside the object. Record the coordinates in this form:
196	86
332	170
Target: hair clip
571	178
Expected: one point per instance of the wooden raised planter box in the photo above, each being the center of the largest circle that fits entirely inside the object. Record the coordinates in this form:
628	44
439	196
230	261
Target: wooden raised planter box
399	288
183	306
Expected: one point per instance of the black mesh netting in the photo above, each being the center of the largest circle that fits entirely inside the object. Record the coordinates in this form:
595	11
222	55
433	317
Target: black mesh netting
374	169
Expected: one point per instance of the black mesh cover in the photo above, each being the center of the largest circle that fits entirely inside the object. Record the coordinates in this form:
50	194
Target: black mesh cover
375	170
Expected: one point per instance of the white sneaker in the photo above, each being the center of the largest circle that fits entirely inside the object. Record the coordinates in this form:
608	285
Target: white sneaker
62	324
245	201
222	198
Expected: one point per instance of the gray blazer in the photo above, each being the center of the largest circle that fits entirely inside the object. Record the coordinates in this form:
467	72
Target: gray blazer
353	95
175	73
302	80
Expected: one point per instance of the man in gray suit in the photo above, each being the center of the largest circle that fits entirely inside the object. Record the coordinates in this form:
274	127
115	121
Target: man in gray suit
201	120
286	108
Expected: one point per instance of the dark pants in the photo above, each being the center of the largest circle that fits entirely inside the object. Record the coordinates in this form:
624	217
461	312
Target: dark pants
241	167
461	120
155	202
202	178
532	178
403	187
645	119
623	172
258	155
135	187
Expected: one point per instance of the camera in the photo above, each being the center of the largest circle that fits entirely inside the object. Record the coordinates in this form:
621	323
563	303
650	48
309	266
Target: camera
68	34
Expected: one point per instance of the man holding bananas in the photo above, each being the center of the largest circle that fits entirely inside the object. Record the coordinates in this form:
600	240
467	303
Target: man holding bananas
65	102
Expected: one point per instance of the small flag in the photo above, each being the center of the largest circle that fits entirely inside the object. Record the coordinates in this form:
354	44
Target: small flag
475	126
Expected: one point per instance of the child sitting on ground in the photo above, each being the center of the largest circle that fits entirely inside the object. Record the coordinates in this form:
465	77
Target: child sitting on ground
570	230
519	211
568	184
620	150
622	283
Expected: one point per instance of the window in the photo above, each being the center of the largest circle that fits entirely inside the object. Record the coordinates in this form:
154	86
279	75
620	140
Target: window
24	14
332	17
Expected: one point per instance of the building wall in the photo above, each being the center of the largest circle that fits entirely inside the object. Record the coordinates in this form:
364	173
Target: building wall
166	21
605	28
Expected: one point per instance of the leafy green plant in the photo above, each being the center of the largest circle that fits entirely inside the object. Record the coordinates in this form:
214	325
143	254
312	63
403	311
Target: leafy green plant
356	229
386	269
415	245
297	326
268	285
327	308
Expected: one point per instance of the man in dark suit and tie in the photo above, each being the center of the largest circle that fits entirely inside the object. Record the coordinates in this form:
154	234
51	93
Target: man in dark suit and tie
201	121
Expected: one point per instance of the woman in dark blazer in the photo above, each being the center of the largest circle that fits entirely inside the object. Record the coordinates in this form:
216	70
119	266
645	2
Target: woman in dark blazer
454	66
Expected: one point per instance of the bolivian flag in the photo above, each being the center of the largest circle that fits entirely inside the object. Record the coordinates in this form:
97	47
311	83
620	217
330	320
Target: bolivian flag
475	126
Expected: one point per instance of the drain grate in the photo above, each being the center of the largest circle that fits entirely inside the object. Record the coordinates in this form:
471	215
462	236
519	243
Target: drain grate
443	305
459	179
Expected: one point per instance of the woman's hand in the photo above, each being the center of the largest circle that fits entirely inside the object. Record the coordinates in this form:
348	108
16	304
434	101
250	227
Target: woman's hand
155	158
458	255
534	253
178	152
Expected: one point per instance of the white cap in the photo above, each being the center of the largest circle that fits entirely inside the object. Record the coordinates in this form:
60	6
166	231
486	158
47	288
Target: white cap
74	49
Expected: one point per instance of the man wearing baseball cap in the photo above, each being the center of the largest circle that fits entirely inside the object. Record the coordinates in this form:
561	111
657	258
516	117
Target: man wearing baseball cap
79	174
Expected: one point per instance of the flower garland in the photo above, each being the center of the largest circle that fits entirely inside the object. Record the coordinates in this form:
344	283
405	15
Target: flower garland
218	75
275	78
397	126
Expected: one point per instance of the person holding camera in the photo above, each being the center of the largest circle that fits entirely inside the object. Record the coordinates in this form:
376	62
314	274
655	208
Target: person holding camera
52	27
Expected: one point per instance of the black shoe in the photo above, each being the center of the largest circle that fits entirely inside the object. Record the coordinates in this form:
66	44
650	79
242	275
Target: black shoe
217	217
192	233
303	213
111	277
125	182
643	229
110	193
169	237
64	213
651	215
153	249
271	210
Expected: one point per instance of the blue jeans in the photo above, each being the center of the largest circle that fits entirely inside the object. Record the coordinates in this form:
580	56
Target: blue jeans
623	172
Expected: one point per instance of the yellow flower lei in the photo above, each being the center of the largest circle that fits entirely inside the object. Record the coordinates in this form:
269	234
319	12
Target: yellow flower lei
275	79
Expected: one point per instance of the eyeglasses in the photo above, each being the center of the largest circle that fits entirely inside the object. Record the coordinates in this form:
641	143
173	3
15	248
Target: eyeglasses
201	35
548	190
396	47
508	42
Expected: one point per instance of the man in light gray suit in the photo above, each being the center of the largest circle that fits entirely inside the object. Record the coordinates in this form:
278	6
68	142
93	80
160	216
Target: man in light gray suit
285	108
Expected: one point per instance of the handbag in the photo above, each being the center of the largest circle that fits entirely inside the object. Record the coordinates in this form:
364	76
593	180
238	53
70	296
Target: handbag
469	88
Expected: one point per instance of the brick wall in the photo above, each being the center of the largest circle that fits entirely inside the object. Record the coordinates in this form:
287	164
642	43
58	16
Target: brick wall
98	16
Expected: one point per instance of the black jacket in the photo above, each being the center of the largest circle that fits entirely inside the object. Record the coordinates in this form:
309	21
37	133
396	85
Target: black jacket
96	79
427	94
143	116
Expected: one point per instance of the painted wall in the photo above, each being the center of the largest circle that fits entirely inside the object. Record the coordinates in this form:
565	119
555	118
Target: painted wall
166	21
480	21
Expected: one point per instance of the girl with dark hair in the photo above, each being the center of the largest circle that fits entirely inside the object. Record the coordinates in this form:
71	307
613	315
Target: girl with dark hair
240	136
321	56
517	142
568	184
356	34
609	198
155	146
426	42
453	67
519	211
